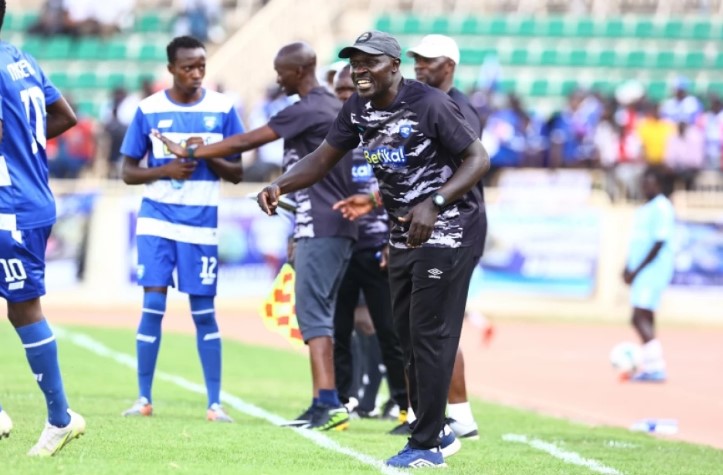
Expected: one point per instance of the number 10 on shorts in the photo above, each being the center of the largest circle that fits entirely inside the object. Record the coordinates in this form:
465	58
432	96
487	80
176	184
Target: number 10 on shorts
14	273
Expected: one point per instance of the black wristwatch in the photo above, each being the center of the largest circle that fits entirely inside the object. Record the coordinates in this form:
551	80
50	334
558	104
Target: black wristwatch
439	200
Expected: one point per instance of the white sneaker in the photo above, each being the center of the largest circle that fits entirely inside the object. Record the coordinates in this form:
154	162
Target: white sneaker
55	438
216	413
6	425
462	430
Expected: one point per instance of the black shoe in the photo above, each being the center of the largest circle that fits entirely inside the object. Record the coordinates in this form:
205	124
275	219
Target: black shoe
328	418
303	419
401	429
388	410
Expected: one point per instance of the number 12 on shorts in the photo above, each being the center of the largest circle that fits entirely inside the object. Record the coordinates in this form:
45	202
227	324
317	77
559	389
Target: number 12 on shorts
208	270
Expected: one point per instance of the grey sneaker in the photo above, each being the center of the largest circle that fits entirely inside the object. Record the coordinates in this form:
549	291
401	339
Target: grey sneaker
217	414
139	408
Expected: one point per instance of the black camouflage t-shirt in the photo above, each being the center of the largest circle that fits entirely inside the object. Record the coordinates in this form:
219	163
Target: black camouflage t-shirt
414	146
303	126
374	226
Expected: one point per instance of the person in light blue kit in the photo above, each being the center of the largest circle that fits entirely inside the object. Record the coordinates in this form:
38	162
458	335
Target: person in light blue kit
649	270
32	110
178	218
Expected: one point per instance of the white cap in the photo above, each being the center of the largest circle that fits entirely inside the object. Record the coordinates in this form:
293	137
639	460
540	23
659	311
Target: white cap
435	46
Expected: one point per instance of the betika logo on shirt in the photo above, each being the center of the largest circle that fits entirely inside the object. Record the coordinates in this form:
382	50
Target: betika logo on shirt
394	157
361	173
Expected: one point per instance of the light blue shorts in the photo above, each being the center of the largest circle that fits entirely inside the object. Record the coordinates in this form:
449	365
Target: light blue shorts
22	263
646	292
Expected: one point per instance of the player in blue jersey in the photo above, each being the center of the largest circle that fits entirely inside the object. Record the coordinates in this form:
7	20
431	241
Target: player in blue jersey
649	270
323	239
32	111
178	218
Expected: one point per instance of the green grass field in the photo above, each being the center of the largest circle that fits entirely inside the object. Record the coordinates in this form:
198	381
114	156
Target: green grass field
177	439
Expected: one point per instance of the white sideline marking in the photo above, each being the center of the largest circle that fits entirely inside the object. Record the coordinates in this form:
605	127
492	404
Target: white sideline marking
567	457
94	346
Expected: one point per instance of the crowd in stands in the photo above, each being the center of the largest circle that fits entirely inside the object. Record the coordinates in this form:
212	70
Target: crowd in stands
622	134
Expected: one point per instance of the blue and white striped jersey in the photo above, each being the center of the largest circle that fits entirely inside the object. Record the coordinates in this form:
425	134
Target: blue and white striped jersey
185	211
26	201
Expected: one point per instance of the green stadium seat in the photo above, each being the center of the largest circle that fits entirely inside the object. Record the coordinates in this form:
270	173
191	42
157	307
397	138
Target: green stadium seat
718	63
527	27
549	57
657	90
539	88
114	51
508	85
60	80
519	57
716	87
55	48
701	30
578	58
150	22
635	59
19	22
470	26
568	86
114	80
88	49
614	28
86	80
440	25
665	60
694	60
644	29
498	27
602	86
33	45
473	55
151	52
384	23
555	27
673	29
607	59
413	25
584	28
87	108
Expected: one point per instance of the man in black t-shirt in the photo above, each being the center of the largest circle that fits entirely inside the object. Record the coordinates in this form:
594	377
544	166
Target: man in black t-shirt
323	238
367	273
427	159
435	60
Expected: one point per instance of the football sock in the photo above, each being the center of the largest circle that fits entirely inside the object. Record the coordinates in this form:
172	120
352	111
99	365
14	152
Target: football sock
653	356
42	353
208	341
148	340
329	397
411	417
461	412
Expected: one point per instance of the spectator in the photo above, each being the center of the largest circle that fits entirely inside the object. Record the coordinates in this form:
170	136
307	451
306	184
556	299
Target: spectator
685	154
200	19
607	147
681	107
74	151
654	133
570	133
712	124
114	128
51	21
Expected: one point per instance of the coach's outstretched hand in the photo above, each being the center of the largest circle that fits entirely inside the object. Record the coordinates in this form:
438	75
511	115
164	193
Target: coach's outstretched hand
175	148
268	199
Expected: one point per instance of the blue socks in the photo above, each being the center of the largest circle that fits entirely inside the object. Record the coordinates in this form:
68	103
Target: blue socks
42	353
148	340
208	341
329	397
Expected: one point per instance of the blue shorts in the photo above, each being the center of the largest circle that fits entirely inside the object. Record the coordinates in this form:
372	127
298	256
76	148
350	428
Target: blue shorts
22	263
197	265
646	292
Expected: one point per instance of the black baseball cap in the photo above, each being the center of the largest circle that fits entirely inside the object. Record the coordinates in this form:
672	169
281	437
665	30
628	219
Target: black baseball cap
375	43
